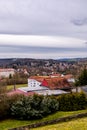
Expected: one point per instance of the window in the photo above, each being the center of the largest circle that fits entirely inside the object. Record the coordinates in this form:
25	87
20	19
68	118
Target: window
34	84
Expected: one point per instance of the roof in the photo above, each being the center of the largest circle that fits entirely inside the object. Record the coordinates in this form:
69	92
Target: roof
40	92
84	88
68	76
39	78
51	92
31	89
6	69
17	91
56	83
52	82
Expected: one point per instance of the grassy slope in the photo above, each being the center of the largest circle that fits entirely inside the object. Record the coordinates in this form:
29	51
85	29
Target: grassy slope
4	125
79	124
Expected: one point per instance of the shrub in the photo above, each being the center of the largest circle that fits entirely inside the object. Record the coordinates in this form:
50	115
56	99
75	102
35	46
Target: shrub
5	104
70	102
34	107
49	105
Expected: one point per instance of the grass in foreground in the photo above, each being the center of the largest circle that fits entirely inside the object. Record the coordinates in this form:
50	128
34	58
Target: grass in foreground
7	124
79	124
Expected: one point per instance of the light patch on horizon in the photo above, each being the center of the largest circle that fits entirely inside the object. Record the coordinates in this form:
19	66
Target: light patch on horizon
41	41
15	46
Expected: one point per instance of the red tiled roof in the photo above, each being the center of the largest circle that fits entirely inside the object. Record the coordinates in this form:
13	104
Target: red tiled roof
56	83
39	78
6	70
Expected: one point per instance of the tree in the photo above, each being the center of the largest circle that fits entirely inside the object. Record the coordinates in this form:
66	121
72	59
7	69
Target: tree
3	87
82	78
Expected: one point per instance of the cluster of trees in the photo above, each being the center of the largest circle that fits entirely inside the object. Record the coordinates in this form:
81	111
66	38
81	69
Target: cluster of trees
18	78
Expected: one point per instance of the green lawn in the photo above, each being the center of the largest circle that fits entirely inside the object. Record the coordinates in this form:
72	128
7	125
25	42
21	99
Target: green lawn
79	124
10	87
4	125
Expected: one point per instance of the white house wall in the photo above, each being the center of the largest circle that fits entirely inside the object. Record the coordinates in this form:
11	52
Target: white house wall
71	80
6	73
33	83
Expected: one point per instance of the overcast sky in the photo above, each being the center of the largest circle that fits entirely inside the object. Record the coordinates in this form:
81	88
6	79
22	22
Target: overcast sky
43	28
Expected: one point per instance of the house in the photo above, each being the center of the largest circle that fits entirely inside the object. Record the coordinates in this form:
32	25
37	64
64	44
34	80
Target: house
34	84
84	88
46	85
7	72
69	78
48	82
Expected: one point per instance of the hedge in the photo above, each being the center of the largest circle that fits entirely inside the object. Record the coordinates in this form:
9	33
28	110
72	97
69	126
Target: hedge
72	102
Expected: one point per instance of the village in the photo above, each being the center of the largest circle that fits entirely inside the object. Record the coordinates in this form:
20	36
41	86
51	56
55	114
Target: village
54	84
33	96
51	83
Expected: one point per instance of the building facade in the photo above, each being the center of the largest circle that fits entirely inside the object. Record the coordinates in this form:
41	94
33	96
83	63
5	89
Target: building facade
7	72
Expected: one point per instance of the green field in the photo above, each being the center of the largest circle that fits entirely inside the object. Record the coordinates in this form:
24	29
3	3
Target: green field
11	87
79	124
7	124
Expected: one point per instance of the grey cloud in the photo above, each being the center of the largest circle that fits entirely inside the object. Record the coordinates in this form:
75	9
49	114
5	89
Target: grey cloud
41	52
47	17
44	17
35	49
80	22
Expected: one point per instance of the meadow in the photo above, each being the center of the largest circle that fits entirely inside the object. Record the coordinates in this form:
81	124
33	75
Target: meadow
11	123
11	87
79	124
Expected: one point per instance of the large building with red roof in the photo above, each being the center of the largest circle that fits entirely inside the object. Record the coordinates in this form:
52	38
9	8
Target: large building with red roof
45	85
49	82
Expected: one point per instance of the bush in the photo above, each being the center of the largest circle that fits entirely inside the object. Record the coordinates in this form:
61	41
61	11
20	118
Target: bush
49	105
5	104
34	107
72	102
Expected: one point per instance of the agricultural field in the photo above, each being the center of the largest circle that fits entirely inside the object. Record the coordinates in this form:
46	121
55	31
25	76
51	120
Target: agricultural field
11	123
79	124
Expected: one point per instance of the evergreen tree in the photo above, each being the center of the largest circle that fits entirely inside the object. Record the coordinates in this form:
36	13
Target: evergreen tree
82	79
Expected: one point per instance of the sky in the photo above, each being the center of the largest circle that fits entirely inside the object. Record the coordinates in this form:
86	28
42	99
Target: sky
43	28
